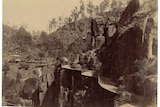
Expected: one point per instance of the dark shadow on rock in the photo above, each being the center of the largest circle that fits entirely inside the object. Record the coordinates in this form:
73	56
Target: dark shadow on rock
96	96
35	98
51	97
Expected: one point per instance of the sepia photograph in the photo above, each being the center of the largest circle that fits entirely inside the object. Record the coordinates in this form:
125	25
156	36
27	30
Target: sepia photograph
79	53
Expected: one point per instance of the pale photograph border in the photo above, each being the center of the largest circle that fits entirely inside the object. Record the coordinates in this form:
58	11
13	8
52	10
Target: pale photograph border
1	15
158	83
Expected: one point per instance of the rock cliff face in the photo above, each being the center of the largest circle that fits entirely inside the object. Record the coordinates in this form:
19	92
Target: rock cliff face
118	56
129	57
132	41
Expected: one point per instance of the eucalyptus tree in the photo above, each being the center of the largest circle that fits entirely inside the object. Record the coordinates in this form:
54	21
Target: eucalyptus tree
60	21
97	10
104	5
82	9
75	14
70	20
90	8
66	20
52	25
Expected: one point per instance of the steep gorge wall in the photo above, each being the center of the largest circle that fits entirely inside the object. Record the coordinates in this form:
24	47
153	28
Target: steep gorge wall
127	44
118	57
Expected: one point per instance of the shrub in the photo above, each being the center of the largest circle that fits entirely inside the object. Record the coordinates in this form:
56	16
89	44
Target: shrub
23	65
143	82
5	67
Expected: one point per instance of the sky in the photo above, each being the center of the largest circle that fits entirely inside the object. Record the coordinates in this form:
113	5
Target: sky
35	14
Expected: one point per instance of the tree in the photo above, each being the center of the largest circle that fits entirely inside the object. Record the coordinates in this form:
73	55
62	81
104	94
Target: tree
5	68
90	8
50	27
69	19
9	30
119	4
52	24
75	14
66	21
22	39
60	21
103	5
82	9
18	77
114	4
149	37
44	41
96	9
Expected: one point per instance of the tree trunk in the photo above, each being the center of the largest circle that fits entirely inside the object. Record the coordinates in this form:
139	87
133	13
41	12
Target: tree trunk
149	37
149	46
145	23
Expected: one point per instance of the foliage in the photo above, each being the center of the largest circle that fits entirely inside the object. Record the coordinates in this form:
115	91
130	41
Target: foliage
75	14
90	8
145	66
30	85
5	67
103	5
82	9
22	40
12	96
60	21
23	65
22	37
46	45
8	30
19	77
5	83
52	24
66	21
11	90
143	81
